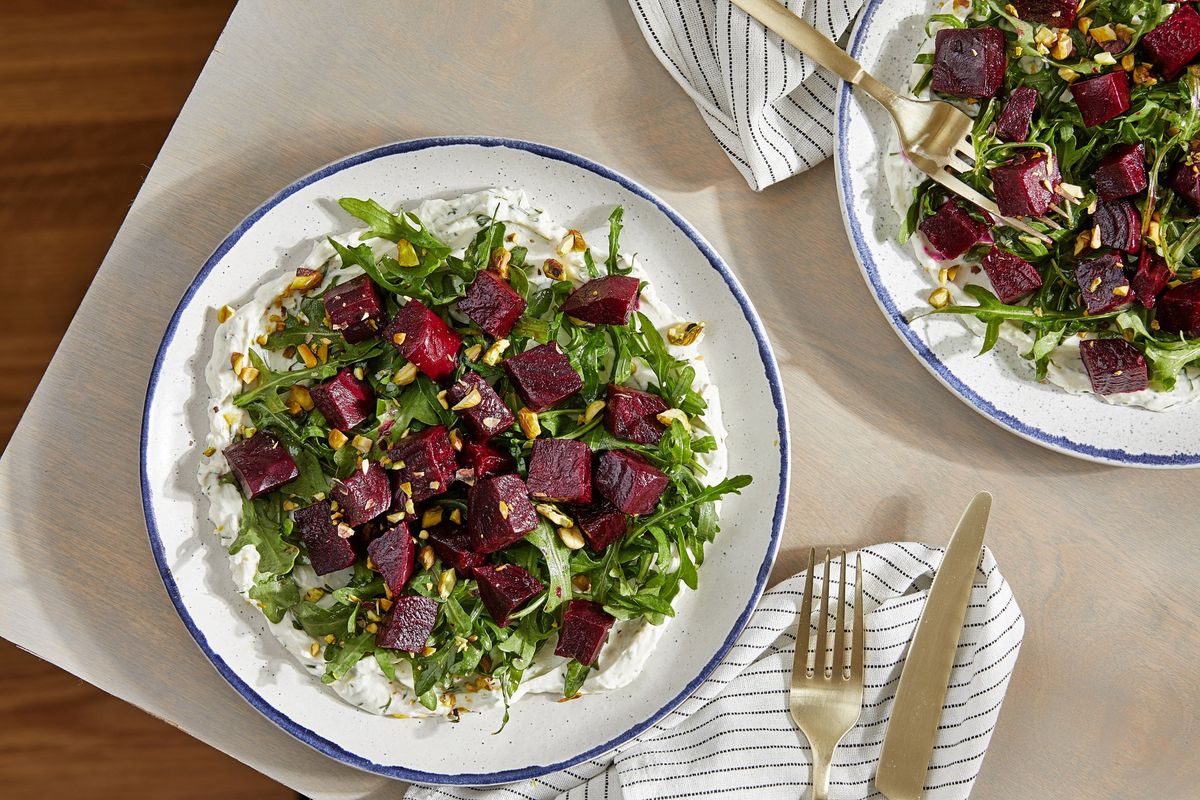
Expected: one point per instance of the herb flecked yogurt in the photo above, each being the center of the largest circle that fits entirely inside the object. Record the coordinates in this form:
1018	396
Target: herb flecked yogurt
459	456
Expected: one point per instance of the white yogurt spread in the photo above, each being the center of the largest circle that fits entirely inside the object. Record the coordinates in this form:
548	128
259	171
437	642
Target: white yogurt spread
630	642
1065	369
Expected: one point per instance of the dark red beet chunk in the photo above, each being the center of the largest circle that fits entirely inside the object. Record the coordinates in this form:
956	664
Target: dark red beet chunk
261	464
355	309
327	550
1179	310
1020	185
1120	225
1175	42
1113	366
363	496
543	376
429	465
492	304
504	589
584	628
969	62
601	524
633	414
1055	13
560	470
629	482
1150	278
1103	283
499	513
490	415
1013	123
453	546
1185	180
1012	276
1122	172
394	554
951	231
424	339
409	625
1101	98
343	400
604	301
484	460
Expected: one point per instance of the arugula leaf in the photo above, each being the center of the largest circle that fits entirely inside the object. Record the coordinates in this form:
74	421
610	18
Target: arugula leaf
613	262
319	622
732	485
312	479
394	227
556	555
263	525
270	381
574	676
339	660
275	595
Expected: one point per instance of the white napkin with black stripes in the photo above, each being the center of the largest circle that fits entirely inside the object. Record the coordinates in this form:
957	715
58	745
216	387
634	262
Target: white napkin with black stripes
769	106
735	739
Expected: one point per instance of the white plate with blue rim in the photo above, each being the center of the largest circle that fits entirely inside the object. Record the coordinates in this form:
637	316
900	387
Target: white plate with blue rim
999	385
543	735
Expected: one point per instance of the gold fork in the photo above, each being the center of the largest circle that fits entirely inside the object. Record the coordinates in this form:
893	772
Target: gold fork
934	135
826	707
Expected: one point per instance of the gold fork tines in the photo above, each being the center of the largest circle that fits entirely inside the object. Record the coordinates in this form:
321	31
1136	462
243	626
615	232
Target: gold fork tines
827	702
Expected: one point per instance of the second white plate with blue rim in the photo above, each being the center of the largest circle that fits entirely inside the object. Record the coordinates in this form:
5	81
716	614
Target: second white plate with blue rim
998	385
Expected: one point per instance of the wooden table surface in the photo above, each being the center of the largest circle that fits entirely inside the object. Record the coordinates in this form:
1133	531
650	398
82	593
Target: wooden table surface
1102	702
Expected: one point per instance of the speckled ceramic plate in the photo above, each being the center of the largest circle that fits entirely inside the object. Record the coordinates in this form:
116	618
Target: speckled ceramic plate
543	735
998	385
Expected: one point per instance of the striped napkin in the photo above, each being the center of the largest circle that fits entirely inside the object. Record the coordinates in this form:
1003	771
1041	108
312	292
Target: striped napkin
768	106
735	739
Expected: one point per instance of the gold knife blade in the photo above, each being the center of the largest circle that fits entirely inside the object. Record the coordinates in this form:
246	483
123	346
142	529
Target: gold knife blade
917	709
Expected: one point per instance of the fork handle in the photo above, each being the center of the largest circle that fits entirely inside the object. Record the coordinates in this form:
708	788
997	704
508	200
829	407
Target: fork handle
821	761
808	40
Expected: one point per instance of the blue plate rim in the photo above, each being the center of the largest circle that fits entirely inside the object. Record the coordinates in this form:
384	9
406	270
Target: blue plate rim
766	354
917	345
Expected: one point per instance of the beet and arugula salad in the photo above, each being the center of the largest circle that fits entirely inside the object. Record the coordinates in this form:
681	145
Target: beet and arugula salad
1087	127
463	451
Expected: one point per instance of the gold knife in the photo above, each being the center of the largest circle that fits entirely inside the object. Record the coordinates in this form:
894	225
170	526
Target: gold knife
917	709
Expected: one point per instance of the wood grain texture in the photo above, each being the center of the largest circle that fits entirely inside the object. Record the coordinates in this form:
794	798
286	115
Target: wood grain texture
88	91
1102	703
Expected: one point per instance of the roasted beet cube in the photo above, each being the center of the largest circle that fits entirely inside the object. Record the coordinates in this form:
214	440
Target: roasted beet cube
499	513
424	339
1103	283
453	546
343	400
1055	13
560	470
601	524
951	231
1150	278
394	554
423	463
1120	225
1024	187
1185	180
408	626
484	460
1101	98
1179	310
543	376
629	482
476	401
492	304
505	588
1175	42
584	628
969	62
1113	366
633	414
1013	123
1122	172
1012	276
355	309
363	496
261	464
328	549
604	301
